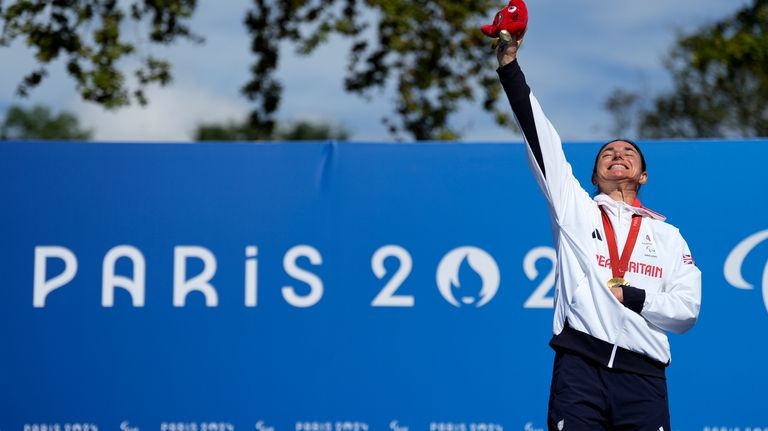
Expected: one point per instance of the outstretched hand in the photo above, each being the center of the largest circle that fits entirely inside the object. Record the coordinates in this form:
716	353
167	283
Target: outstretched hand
506	51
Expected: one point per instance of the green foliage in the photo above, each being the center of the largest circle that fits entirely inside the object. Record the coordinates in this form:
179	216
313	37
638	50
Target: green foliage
309	131
299	131
720	76
39	123
622	106
431	50
228	132
89	34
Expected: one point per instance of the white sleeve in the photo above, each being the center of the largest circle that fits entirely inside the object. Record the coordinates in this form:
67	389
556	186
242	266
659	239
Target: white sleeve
676	307
544	147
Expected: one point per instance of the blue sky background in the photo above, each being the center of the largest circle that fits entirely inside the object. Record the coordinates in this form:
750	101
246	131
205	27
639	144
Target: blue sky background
574	55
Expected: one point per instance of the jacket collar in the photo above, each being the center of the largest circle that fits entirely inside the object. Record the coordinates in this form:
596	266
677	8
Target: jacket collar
636	207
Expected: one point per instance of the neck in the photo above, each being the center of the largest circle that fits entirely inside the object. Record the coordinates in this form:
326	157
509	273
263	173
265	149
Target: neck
624	194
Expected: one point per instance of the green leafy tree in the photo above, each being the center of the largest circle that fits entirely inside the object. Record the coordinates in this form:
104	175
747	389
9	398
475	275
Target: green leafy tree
244	131
720	77
90	36
623	106
231	131
311	131
40	123
430	51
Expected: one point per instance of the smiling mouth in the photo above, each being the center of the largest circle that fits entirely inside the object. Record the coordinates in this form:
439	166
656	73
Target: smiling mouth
617	167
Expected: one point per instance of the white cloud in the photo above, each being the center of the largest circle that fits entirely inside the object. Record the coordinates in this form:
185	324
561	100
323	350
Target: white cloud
171	115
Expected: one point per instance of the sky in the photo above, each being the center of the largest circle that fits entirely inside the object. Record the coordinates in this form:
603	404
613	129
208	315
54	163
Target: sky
575	54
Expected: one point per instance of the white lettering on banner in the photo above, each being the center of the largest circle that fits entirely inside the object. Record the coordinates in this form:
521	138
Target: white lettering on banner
735	261
183	286
313	426
464	426
350	426
331	426
387	297
481	262
732	428
135	286
61	427
395	426
197	426
448	275
314	282
126	426
539	298
261	426
529	427
251	276
41	285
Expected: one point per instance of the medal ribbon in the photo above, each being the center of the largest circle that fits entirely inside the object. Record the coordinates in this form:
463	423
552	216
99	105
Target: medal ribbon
619	264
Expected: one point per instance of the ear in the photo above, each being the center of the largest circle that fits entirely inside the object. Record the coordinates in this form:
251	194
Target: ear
594	179
643	178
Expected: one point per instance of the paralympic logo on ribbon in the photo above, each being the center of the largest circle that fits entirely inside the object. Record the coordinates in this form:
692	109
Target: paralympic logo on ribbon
735	261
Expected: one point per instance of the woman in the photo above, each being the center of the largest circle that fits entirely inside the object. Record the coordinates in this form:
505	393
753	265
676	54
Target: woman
625	277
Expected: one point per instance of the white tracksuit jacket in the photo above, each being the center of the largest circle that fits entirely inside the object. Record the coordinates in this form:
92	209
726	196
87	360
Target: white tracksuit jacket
660	264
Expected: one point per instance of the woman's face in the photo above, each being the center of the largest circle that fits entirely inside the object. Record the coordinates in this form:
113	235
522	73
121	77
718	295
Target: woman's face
618	162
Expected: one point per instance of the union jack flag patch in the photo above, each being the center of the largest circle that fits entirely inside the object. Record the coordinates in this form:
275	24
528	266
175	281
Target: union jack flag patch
688	259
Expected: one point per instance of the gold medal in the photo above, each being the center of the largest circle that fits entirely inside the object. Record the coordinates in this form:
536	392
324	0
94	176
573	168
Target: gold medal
616	282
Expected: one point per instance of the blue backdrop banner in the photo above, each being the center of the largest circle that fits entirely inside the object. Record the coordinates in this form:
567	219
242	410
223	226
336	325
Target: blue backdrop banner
339	286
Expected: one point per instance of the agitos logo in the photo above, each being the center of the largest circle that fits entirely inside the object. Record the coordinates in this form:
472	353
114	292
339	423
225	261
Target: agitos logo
735	262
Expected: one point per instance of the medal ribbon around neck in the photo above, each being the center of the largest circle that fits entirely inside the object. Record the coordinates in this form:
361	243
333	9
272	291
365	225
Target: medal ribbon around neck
619	264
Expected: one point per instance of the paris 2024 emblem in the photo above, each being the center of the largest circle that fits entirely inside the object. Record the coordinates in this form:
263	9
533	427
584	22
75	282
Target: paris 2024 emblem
448	280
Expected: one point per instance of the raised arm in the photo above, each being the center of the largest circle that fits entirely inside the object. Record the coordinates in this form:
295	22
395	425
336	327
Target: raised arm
545	150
